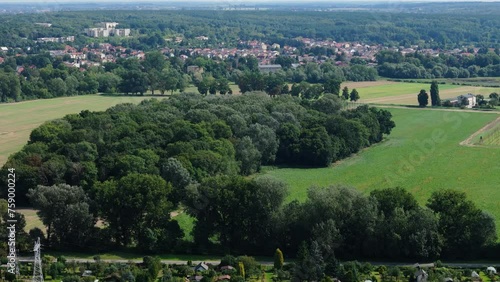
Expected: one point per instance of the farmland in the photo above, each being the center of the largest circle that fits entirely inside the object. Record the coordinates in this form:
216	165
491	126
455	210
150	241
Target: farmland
422	155
19	119
405	93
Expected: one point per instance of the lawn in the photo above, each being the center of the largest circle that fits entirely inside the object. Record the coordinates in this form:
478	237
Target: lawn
422	155
17	120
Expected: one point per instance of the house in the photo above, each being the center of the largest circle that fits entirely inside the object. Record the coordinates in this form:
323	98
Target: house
269	68
201	267
87	273
4	49
468	100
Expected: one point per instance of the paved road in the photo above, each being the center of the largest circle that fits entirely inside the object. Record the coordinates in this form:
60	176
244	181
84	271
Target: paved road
269	263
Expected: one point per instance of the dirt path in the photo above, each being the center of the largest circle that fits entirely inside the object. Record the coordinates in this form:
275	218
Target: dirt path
434	109
468	142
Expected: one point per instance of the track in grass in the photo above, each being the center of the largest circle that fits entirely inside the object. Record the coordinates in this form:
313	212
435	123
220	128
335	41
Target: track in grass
488	136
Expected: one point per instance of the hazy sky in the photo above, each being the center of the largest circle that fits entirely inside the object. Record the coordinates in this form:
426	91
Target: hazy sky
234	1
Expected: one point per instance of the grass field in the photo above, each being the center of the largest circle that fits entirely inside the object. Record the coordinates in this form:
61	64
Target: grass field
405	93
32	220
421	155
17	120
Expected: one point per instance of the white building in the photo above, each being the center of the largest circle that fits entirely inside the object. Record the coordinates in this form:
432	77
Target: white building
107	29
471	98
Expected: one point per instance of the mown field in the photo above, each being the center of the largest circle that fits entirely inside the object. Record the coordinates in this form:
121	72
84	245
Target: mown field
422	155
17	120
405	93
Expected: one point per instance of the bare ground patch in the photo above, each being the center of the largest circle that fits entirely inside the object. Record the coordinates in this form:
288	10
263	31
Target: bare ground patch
469	141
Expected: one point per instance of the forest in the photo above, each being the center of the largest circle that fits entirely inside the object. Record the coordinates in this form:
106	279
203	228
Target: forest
429	30
132	165
414	65
44	76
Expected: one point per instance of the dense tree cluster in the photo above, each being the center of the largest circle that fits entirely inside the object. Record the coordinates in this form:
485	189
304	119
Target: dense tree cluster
43	76
417	65
135	163
447	30
340	222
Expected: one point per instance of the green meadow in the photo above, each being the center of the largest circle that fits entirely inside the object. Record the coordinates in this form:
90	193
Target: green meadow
422	155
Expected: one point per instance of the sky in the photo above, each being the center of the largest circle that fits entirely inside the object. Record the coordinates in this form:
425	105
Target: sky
235	1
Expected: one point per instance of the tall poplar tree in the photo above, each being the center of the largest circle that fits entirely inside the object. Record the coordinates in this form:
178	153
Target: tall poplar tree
435	100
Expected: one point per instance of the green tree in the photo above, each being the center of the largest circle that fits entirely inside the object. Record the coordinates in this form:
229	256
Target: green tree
332	86
131	202
278	259
354	96
464	227
133	81
435	100
423	98
64	210
345	93
10	88
57	87
248	156
242	223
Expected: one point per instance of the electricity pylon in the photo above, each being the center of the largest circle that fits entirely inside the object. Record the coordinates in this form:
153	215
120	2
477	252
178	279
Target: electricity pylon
37	266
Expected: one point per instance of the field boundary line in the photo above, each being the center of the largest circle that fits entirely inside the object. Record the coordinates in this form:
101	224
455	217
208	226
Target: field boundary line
468	142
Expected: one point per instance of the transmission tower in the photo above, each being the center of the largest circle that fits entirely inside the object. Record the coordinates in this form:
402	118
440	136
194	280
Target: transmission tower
37	266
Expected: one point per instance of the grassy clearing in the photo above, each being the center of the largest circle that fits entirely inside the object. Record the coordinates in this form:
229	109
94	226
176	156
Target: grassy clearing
17	120
422	155
186	222
32	219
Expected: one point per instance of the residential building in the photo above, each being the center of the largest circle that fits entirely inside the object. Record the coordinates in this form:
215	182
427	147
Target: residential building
107	29
269	68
